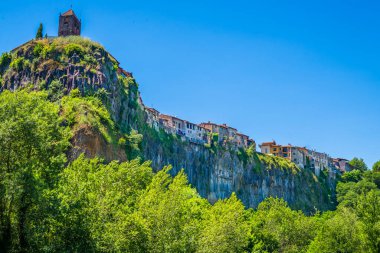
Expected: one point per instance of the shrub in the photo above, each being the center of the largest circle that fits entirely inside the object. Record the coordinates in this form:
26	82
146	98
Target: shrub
72	48
134	140
215	137
122	141
47	50
5	60
56	90
37	50
88	111
19	64
75	93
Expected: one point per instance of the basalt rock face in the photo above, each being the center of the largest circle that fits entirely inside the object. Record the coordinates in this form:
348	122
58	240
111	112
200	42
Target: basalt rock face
215	173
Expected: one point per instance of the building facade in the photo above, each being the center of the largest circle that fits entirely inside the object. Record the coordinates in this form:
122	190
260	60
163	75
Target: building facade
69	24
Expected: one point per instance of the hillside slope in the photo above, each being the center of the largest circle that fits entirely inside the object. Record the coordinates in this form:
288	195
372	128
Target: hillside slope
116	129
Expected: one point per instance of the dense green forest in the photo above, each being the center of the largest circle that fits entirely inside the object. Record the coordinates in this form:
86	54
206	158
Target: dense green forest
48	204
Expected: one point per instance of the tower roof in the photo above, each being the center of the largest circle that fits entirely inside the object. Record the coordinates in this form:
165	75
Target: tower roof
69	13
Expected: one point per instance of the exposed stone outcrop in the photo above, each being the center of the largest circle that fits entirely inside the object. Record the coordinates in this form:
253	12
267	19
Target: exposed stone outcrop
90	142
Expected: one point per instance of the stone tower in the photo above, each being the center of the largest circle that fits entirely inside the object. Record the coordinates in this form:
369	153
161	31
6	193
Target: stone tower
69	24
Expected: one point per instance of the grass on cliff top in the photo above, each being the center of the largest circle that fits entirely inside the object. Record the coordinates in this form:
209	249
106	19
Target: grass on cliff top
277	162
84	42
62	42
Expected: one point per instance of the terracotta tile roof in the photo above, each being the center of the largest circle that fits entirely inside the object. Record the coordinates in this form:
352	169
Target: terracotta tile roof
165	116
243	135
69	13
152	110
268	143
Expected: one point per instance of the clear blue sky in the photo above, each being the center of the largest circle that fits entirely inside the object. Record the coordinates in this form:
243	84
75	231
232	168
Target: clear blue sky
300	72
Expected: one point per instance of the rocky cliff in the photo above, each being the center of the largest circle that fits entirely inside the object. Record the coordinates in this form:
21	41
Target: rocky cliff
62	65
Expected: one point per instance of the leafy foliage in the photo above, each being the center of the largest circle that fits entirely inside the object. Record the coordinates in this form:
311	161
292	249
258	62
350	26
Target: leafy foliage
33	143
275	227
19	64
72	48
339	234
224	228
352	176
358	164
88	112
277	162
376	167
5	60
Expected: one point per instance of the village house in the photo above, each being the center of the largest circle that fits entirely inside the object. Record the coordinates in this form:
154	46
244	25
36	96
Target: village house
243	140
341	164
294	154
320	161
221	130
172	125
152	117
271	148
195	133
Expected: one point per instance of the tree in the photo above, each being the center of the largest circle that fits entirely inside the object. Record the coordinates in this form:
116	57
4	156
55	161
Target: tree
225	228
32	143
376	167
352	176
348	193
97	205
275	227
39	32
368	210
358	164
340	233
173	210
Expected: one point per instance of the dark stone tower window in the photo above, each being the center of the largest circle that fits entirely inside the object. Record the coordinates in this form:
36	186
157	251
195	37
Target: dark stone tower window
69	24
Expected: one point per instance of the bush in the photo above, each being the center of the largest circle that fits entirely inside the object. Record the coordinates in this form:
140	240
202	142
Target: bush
5	60
215	137
122	141
37	50
19	64
88	111
55	91
352	176
72	48
75	93
376	167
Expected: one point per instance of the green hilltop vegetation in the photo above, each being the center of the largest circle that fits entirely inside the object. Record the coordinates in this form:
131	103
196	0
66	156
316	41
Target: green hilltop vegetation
51	203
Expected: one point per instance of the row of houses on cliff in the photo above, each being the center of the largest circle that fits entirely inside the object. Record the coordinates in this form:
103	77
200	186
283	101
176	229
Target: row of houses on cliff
204	133
304	157
224	135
